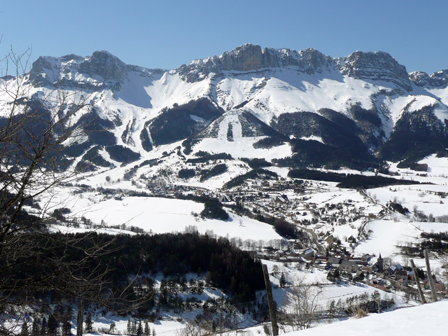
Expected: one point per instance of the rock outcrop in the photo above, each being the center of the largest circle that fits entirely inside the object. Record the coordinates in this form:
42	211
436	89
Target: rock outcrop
249	57
437	79
375	66
99	71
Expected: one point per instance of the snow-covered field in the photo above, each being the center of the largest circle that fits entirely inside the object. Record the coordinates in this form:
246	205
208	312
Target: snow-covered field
162	215
430	319
166	215
322	207
386	234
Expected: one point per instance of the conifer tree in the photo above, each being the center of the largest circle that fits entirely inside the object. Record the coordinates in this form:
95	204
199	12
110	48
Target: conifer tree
147	331
112	328
66	326
67	315
129	328
140	329
25	330
89	323
53	326
282	280
43	327
35	327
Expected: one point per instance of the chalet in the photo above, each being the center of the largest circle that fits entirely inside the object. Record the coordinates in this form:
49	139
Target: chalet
366	257
367	269
377	281
401	274
348	266
403	281
391	270
334	261
380	287
342	221
279	200
310	253
358	261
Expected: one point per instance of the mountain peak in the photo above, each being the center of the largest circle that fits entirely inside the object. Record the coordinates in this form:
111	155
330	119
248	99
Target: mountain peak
251	57
104	64
244	58
377	65
437	79
100	69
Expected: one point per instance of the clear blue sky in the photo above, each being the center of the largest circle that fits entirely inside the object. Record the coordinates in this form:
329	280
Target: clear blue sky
166	34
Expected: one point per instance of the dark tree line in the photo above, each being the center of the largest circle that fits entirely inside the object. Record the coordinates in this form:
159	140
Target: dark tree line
227	267
353	181
434	241
213	209
214	171
205	157
253	174
283	228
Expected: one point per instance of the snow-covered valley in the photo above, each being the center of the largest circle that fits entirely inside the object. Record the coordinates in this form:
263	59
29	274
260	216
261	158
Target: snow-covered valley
331	171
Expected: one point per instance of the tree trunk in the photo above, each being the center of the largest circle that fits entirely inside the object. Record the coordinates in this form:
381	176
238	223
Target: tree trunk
431	280
272	311
417	280
80	319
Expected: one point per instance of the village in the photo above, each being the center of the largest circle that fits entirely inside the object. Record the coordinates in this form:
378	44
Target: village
292	201
317	209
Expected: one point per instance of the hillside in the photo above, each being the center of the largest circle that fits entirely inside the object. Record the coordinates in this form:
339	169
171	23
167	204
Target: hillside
354	111
424	320
309	163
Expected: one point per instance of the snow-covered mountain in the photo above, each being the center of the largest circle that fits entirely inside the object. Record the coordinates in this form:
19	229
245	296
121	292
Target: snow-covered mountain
251	113
353	111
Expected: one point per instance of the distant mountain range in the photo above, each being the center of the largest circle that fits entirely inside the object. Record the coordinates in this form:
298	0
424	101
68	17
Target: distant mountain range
315	110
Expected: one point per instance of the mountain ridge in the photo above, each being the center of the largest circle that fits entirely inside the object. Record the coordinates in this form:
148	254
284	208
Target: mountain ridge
364	106
251	57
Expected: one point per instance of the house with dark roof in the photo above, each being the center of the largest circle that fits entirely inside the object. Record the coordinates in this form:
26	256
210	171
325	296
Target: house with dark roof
348	266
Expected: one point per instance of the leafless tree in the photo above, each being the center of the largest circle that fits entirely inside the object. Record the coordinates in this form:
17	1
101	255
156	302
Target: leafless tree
36	125
302	303
194	328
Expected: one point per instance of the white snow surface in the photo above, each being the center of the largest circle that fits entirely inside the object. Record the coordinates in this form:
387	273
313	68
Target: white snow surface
385	236
313	137
430	319
243	148
161	215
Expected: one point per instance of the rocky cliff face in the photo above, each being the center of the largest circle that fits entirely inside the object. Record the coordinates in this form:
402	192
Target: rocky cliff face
103	69
249	57
134	110
375	66
99	71
435	80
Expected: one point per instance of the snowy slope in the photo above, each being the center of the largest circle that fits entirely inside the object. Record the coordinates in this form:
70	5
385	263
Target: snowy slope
430	319
160	215
266	83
